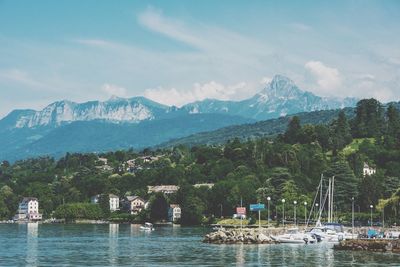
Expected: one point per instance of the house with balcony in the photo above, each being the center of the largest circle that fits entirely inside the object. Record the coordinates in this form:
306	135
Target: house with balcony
28	210
133	204
174	212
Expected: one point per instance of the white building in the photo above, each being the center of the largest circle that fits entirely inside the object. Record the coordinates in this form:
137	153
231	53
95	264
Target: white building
114	202
113	199
28	209
174	212
165	189
367	170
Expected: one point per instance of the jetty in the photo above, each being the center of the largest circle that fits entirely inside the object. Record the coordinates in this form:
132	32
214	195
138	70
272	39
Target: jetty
373	245
242	236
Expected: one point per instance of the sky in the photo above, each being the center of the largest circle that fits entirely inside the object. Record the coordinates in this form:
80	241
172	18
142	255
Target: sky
176	52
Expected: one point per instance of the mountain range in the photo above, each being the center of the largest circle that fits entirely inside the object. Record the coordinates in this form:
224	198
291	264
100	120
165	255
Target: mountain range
121	123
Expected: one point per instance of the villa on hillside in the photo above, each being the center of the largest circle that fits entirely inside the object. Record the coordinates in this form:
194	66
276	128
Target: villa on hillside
28	209
133	204
174	212
165	189
367	170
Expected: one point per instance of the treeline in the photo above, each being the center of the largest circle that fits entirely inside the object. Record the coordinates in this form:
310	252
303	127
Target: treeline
287	166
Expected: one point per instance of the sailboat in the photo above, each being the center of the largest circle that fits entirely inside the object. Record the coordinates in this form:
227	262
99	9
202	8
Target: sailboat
330	231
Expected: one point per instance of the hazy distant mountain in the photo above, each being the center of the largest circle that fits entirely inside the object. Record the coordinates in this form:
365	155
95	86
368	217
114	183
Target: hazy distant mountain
115	110
138	122
279	98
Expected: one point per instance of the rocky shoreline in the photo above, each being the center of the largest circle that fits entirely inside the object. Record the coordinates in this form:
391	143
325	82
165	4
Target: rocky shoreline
374	245
241	236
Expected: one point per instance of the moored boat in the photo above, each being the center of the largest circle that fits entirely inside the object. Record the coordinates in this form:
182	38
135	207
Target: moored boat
147	227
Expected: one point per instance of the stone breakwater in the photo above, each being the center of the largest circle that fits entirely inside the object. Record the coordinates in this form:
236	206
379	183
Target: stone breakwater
374	245
241	236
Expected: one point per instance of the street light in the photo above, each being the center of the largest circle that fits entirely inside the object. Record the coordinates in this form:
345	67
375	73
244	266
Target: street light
268	200
305	213
295	219
352	217
283	217
371	207
316	208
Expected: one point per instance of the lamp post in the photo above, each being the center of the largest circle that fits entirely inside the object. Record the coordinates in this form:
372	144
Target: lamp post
305	213
283	215
371	207
352	216
268	200
295	219
316	208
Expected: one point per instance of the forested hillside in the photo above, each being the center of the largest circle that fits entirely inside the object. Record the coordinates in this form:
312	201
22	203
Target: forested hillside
288	166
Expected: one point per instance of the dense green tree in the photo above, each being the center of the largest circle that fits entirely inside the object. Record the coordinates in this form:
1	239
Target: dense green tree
294	131
392	135
341	133
104	203
345	184
158	208
369	119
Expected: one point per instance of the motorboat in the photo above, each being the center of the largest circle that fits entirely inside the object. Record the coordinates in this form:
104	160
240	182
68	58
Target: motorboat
294	236
147	227
326	234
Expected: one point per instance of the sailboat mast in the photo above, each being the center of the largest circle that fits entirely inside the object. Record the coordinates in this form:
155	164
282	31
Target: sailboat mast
332	187
320	192
329	200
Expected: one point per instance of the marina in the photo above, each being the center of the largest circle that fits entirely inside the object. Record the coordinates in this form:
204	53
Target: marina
126	245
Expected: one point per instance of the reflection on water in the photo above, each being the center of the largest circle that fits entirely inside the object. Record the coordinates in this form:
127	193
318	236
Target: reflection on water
127	245
31	243
113	243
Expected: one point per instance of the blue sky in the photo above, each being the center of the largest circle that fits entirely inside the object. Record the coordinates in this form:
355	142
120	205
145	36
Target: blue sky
176	52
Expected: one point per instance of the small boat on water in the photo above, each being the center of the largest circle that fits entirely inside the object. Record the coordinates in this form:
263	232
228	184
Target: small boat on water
147	227
294	236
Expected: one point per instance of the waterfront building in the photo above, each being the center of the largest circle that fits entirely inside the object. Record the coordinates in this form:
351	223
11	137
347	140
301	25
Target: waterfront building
174	212
28	209
134	204
113	200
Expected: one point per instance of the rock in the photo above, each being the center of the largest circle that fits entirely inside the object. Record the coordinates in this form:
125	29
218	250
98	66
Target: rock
263	238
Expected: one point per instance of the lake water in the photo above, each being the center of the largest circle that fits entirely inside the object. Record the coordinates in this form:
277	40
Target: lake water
125	245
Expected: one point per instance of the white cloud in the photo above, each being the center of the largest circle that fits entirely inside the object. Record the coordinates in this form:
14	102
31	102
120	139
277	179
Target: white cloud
21	77
198	92
327	78
155	21
113	90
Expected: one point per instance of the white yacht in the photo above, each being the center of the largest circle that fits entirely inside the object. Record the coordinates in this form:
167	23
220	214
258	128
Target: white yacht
147	227
294	236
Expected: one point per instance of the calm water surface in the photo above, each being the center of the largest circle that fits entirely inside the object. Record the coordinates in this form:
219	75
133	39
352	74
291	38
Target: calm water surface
126	245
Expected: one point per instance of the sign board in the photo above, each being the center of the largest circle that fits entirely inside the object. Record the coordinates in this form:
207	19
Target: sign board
241	211
257	207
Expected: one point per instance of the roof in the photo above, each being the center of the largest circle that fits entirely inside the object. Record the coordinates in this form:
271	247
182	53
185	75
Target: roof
27	199
161	188
367	166
174	206
112	196
132	198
